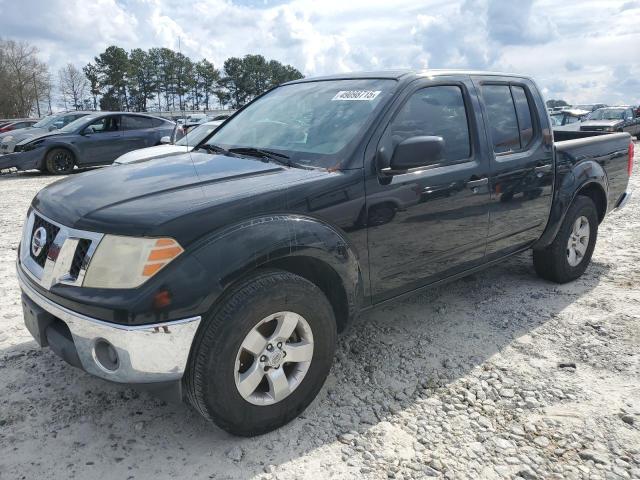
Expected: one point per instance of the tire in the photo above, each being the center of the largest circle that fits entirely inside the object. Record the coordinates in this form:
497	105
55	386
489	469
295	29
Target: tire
59	161
554	262
381	214
212	373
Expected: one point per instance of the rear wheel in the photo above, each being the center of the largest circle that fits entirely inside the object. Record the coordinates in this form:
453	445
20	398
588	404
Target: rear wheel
59	161
263	354
570	253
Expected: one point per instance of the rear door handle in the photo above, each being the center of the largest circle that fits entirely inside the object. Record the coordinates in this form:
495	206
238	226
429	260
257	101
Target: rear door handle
478	183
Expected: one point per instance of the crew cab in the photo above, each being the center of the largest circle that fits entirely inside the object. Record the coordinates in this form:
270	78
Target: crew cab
223	275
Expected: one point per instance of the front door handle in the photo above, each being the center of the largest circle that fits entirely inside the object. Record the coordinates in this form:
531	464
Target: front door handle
543	168
478	183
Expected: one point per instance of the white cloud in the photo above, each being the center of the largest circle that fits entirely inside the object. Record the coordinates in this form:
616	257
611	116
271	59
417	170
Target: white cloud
581	50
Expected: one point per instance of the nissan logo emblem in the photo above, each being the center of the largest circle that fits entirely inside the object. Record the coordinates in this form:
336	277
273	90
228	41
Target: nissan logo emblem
38	241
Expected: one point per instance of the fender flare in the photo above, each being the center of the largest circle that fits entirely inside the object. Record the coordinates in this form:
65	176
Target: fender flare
583	174
234	251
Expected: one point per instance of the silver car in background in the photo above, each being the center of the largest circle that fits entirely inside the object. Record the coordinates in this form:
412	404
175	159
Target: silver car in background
185	144
49	123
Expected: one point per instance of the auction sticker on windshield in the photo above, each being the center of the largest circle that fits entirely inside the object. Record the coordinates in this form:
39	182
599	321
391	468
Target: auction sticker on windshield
367	95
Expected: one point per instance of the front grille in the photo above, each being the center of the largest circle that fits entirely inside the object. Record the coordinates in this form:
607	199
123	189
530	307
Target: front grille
79	257
51	230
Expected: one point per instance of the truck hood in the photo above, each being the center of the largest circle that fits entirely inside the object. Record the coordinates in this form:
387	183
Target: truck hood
601	123
160	197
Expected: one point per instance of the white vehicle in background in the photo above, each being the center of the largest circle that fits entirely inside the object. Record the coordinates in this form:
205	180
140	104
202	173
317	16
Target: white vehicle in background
569	119
185	144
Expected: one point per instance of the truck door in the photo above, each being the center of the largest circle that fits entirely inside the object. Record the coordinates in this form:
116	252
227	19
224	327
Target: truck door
430	222
522	168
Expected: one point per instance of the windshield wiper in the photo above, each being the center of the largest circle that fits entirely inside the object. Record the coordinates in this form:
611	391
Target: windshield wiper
213	148
280	158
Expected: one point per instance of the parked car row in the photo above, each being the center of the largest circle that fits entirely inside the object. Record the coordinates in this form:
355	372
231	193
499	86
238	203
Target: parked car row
16	125
59	142
594	118
9	139
96	138
613	119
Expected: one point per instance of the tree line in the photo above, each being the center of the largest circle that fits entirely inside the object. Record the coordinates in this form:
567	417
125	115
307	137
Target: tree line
157	79
163	79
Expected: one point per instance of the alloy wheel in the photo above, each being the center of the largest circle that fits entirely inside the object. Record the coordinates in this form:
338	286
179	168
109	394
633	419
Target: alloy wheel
274	358
578	241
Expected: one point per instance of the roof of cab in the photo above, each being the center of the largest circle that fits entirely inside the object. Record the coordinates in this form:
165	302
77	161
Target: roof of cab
405	73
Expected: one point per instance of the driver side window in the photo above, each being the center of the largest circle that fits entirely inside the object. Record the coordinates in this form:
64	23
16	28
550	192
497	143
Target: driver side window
435	111
105	124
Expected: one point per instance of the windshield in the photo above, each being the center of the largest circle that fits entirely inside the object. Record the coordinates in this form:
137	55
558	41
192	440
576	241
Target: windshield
198	134
607	114
73	126
46	121
309	122
556	120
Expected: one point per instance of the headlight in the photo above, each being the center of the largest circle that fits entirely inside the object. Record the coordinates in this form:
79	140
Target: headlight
128	262
25	147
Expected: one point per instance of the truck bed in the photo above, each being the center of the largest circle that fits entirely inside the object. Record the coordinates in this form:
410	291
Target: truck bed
609	150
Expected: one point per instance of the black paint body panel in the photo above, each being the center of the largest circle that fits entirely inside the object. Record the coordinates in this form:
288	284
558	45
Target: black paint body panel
383	235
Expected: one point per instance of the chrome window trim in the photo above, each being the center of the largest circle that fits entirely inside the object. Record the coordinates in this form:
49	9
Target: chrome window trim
59	260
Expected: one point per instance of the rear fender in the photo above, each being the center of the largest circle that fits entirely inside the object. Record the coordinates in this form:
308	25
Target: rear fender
571	178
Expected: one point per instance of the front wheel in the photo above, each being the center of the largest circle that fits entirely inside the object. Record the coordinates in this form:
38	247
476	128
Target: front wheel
263	354
569	254
59	161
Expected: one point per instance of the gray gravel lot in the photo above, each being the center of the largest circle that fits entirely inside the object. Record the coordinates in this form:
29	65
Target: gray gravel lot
498	375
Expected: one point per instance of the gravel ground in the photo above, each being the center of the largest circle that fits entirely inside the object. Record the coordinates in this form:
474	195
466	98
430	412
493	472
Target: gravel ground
498	375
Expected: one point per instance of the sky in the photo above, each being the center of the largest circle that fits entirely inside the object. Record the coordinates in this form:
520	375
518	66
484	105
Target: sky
578	50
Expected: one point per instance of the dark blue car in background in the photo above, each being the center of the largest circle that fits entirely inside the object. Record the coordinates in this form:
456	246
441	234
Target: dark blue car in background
96	139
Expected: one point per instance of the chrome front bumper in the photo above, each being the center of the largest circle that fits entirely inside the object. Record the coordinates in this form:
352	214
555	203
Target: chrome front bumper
145	354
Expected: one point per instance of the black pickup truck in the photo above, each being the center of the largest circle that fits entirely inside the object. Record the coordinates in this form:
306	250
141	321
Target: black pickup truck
224	275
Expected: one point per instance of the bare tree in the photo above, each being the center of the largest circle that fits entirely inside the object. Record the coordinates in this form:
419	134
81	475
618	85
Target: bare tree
22	76
73	85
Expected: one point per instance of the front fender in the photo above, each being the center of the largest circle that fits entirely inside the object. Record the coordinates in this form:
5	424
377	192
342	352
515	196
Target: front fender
572	175
236	250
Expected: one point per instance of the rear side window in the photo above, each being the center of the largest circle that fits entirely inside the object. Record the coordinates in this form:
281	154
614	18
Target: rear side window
435	111
525	121
502	117
510	120
134	122
157	122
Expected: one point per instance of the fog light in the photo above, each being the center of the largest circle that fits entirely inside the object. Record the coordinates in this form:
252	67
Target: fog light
106	355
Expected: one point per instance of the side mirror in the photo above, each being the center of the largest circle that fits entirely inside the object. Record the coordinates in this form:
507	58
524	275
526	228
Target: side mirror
89	130
166	140
416	152
52	128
